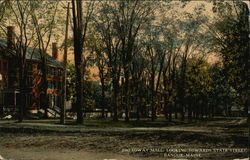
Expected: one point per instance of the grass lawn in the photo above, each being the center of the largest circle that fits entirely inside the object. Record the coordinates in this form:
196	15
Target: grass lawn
146	122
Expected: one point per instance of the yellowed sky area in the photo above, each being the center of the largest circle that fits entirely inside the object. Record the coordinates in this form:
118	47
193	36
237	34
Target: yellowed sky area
94	71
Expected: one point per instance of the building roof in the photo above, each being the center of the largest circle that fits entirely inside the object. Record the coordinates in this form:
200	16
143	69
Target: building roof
33	54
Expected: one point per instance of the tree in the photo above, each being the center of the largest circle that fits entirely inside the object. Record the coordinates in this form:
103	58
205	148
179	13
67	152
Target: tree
155	56
35	23
222	96
230	33
65	58
5	14
181	38
21	15
130	17
110	42
191	44
80	26
138	84
172	48
123	22
199	86
95	45
44	21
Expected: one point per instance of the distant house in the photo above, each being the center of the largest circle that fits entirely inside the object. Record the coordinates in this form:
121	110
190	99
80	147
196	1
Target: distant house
237	111
9	85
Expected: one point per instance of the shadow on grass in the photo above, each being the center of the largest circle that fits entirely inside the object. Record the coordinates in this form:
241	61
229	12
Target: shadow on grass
133	123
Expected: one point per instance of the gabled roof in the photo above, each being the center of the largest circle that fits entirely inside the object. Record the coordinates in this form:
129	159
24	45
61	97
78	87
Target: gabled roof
33	54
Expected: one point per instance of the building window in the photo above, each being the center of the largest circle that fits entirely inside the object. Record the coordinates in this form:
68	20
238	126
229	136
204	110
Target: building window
9	99
1	99
59	85
55	72
12	69
54	85
49	71
5	66
52	71
30	81
5	82
12	81
59	72
59	101
18	99
49	85
50	100
30	68
29	100
55	82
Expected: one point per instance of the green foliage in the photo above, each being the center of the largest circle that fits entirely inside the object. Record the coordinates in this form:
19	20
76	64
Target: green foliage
222	95
28	16
70	81
142	48
91	89
232	26
198	78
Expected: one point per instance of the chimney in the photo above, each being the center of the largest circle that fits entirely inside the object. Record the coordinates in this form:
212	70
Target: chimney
55	51
10	37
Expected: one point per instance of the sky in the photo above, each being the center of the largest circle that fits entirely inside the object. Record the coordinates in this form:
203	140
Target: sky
189	8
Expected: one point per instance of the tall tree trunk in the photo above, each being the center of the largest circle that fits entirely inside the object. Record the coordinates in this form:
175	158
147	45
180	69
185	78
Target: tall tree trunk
190	109
63	106
126	98
103	98
176	112
115	100
138	109
78	50
22	95
170	111
182	92
44	87
165	94
79	90
170	102
138	101
153	109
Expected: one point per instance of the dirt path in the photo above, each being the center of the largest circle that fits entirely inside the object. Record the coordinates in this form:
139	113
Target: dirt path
36	142
63	147
89	146
60	154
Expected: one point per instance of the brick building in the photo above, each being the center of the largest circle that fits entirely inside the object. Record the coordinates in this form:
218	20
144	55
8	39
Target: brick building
9	82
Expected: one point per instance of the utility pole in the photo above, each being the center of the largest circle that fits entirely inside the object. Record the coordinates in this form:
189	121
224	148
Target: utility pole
62	117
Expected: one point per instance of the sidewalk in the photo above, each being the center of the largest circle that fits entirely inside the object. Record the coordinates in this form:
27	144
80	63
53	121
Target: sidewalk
38	126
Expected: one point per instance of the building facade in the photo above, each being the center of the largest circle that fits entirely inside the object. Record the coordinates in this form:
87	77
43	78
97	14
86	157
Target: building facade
9	81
